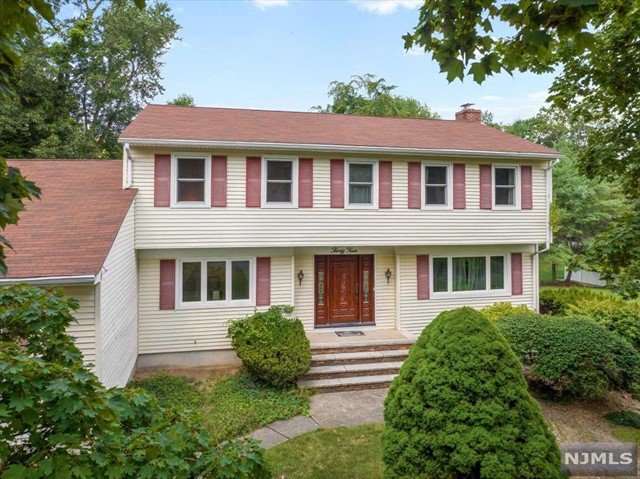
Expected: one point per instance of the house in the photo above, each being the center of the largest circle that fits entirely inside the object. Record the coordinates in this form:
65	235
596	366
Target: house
363	224
80	236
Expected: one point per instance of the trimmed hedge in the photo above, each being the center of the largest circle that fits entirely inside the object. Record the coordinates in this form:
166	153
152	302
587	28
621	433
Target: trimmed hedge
497	311
459	408
272	347
621	317
572	356
557	301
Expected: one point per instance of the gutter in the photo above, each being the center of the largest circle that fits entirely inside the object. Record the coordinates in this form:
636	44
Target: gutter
53	280
250	145
127	166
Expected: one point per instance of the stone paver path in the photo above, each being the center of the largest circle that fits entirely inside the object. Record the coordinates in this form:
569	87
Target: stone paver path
341	409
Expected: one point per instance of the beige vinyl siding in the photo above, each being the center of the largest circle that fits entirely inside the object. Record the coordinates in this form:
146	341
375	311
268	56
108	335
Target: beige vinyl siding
385	294
84	330
238	226
195	329
119	308
416	314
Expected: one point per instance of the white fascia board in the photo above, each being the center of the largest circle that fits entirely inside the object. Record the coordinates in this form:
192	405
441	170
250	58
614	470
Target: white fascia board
52	280
250	145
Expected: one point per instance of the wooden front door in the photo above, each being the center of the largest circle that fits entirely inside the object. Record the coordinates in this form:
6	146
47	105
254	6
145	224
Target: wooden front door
344	290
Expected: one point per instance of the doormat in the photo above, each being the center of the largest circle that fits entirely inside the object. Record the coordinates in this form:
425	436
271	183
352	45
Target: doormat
344	334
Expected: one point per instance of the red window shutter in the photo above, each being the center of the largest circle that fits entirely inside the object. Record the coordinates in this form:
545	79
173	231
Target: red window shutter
385	191
253	193
162	181
415	188
485	187
305	183
526	187
263	281
422	264
167	284
516	274
219	181
459	187
337	183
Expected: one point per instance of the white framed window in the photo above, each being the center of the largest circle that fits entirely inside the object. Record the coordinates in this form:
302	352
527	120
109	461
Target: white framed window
436	185
280	181
204	283
469	275
361	183
190	180
505	186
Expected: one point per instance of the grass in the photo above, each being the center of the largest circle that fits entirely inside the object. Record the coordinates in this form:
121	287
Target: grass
342	453
228	406
544	269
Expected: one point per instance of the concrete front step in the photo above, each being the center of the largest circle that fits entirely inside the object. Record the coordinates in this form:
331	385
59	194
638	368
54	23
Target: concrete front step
353	370
361	346
347	384
359	357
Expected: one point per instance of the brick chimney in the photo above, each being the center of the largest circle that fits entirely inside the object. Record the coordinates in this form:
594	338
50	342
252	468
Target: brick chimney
469	114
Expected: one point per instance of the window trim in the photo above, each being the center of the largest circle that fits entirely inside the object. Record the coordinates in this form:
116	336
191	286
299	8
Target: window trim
374	185
228	302
294	181
423	183
516	188
506	291
174	181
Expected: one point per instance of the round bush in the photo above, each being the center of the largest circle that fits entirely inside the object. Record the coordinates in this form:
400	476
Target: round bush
272	347
459	408
572	357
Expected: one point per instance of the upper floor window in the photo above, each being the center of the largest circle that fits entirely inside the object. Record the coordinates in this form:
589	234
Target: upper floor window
361	182
191	180
215	282
280	185
436	185
468	273
505	178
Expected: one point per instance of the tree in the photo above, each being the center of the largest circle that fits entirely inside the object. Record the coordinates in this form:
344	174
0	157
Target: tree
83	81
59	421
460	408
182	100
594	46
369	95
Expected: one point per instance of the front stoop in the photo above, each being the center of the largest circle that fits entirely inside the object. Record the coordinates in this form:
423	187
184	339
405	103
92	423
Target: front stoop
357	365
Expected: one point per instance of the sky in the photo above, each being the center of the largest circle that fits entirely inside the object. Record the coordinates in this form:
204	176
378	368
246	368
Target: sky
282	55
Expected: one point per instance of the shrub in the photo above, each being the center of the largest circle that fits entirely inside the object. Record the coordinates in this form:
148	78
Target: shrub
59	421
499	310
617	315
556	301
624	418
572	357
271	346
459	408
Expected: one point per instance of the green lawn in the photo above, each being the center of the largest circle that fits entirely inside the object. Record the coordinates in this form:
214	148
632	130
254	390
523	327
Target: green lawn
343	453
228	406
545	269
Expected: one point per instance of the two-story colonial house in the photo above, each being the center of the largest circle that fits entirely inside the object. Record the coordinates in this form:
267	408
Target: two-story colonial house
362	223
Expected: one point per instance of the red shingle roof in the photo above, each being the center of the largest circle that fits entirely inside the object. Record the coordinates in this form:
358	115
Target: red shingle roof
165	122
68	232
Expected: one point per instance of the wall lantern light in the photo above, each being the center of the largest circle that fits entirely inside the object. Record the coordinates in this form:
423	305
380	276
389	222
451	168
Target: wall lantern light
300	277
387	274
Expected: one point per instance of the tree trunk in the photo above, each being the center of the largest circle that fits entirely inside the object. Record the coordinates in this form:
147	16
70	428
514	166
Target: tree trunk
568	278
554	272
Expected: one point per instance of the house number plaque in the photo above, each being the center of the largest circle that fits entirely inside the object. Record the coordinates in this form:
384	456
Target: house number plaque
348	249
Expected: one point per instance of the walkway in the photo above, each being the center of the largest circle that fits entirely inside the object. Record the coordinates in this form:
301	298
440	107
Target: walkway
340	409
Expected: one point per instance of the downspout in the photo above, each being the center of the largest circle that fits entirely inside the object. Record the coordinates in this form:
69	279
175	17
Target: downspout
535	262
127	161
